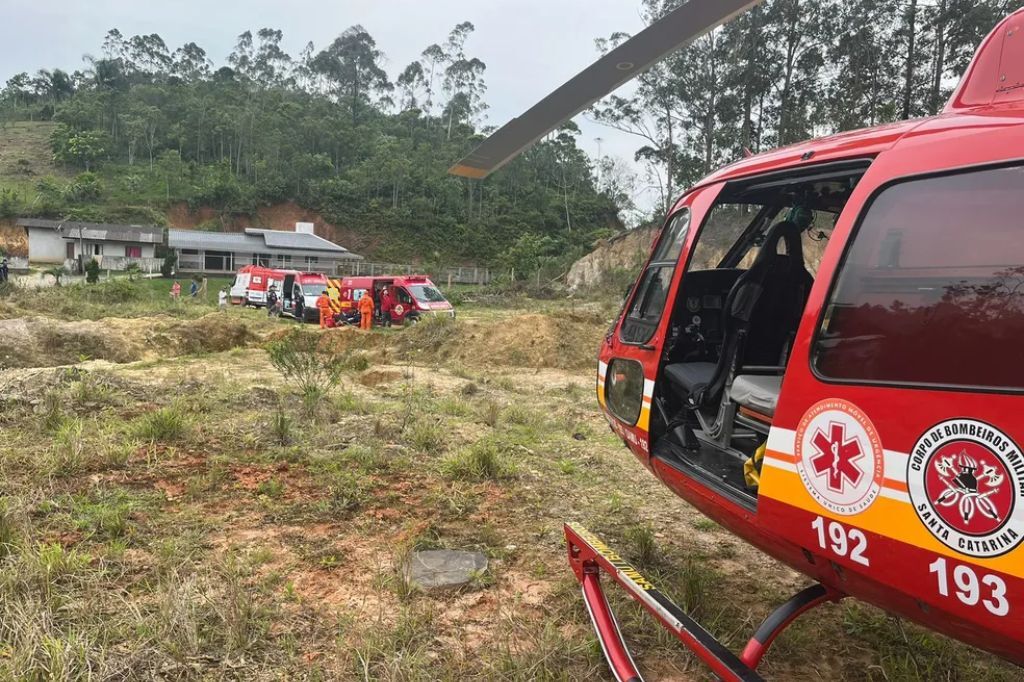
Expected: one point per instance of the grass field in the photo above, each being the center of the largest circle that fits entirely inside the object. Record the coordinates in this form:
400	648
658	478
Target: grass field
174	508
24	155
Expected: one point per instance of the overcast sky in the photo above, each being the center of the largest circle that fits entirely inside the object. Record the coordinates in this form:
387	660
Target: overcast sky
530	46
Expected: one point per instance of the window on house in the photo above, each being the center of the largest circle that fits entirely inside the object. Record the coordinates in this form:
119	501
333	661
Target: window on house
261	259
133	251
222	261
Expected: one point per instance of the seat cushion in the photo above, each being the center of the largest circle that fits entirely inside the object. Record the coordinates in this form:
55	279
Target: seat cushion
690	377
759	393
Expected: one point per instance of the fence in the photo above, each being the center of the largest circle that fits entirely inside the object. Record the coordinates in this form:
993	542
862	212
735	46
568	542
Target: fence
17	263
443	275
121	263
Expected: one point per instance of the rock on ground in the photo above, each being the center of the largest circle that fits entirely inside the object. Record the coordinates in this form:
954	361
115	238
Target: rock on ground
437	570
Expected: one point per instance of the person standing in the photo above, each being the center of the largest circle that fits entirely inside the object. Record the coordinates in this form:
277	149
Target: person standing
222	299
175	291
272	299
387	303
366	311
193	290
4	270
323	304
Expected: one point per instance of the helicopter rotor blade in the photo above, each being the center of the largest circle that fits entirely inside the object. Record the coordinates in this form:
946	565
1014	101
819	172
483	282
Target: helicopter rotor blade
676	29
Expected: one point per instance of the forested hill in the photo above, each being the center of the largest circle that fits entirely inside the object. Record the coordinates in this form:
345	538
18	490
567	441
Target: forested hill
145	127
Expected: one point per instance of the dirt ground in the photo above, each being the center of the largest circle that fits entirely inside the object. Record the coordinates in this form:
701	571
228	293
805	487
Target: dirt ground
173	508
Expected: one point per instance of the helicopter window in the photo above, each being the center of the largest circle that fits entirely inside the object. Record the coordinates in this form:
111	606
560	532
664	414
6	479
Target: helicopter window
931	289
724	227
625	382
649	302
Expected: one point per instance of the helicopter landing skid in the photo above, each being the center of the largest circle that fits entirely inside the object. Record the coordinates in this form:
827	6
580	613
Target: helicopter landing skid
588	557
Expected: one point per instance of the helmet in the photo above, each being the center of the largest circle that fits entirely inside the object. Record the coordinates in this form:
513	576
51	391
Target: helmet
802	216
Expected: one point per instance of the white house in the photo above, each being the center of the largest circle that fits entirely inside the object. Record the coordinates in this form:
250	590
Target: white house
224	252
113	246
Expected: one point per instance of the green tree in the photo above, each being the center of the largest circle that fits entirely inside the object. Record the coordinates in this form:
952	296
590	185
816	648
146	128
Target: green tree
92	271
82	148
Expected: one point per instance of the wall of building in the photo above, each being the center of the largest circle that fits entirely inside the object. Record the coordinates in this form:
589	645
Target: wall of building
45	246
110	249
287	260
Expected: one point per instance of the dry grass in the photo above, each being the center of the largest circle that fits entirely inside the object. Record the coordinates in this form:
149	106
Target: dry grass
185	519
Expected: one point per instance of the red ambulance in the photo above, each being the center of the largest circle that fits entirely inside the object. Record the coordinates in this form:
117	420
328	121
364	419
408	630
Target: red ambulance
298	291
414	296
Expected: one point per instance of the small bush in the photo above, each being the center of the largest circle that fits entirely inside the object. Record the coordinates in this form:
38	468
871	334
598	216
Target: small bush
10	203
67	454
281	427
105	517
170	262
11	529
305	364
426	436
519	415
643	548
51	562
482	461
52	411
166	425
312	396
346	401
490	413
346	492
271	487
92	271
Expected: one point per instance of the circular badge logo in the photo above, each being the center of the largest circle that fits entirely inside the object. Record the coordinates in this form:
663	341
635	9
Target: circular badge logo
839	457
966	481
399	309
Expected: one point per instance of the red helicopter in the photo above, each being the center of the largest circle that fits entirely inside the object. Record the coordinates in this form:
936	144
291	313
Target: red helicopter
822	354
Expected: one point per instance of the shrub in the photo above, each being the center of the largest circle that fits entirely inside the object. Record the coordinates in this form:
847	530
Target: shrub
10	203
281	427
302	361
426	435
67	454
92	271
57	273
11	531
167	424
643	547
481	461
85	187
271	487
167	267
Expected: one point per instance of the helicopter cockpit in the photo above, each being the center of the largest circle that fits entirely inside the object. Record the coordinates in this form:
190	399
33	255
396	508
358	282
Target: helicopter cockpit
735	318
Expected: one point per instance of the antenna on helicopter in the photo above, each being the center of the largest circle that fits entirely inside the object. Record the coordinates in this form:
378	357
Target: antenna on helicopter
678	28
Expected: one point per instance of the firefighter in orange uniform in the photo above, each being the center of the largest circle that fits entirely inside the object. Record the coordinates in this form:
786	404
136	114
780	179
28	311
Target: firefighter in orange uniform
323	304
366	311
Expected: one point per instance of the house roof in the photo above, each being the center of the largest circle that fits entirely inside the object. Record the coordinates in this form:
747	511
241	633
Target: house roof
104	232
256	241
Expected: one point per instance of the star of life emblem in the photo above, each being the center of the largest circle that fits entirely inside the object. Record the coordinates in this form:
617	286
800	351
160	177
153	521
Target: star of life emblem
839	457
